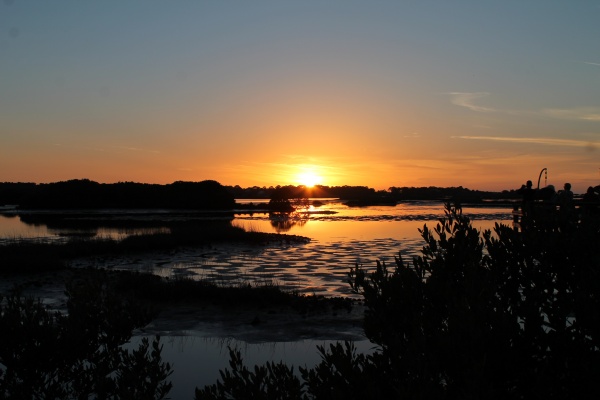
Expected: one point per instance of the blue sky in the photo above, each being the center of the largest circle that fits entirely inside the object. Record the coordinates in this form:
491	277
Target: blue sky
473	93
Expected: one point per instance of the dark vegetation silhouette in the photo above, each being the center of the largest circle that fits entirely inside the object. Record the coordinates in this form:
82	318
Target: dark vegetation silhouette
451	194
211	195
363	195
508	315
87	194
79	354
280	200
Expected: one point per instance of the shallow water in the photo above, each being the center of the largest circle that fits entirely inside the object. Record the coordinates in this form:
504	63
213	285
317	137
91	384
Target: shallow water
196	361
341	238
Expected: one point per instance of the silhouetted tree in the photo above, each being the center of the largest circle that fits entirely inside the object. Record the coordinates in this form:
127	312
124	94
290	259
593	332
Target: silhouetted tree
280	200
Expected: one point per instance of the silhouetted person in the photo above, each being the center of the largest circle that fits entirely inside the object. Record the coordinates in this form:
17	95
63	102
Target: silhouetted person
527	192
527	204
591	201
546	214
565	200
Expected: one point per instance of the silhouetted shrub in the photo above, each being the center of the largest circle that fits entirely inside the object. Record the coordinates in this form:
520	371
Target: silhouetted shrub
46	355
271	381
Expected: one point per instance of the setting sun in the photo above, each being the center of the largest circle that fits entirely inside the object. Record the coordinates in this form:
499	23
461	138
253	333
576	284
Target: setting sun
308	178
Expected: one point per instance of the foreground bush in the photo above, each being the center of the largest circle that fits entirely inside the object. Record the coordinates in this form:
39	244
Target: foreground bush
78	355
508	315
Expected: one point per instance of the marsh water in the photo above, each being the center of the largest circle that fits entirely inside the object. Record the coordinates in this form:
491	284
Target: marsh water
340	238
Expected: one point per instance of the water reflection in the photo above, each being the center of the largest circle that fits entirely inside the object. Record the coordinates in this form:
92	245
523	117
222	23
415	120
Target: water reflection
196	361
283	222
322	221
12	228
334	221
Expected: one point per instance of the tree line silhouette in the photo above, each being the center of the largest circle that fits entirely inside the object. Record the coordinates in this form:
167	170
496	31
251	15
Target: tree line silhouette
84	193
367	194
210	194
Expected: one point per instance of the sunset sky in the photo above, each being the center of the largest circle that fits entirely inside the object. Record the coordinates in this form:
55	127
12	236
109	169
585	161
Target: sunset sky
477	94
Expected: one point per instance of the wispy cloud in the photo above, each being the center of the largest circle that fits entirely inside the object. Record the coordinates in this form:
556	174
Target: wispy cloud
467	99
544	141
582	113
591	63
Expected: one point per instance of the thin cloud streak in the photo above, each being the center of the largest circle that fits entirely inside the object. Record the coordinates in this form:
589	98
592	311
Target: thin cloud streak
583	113
545	141
466	99
591	63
